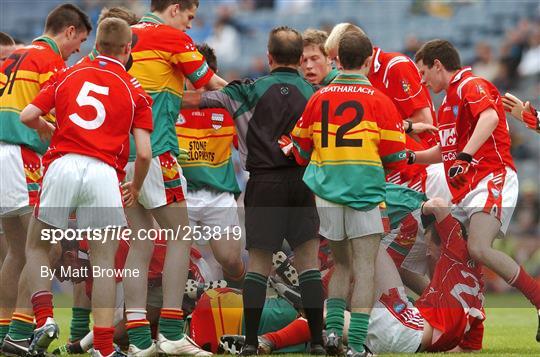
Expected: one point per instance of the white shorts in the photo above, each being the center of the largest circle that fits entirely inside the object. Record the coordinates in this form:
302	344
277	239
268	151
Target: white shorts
395	326
406	244
208	207
340	222
495	194
20	179
436	185
84	185
163	184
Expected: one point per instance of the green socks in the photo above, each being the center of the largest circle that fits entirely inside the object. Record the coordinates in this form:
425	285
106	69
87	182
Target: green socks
358	330
335	315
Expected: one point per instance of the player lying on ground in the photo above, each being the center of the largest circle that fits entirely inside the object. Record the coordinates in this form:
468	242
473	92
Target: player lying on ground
448	316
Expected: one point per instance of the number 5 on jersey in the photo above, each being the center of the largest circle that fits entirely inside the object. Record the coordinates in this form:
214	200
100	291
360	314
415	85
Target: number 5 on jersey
84	99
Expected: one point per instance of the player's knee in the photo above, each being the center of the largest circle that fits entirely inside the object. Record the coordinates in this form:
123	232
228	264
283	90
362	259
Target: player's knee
231	261
476	251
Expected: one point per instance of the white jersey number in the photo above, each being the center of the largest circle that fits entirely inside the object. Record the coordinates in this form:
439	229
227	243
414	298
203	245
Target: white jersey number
467	289
84	99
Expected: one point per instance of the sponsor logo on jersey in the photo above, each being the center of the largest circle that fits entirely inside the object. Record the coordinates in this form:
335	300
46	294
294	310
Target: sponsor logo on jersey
217	120
448	137
181	120
455	110
480	89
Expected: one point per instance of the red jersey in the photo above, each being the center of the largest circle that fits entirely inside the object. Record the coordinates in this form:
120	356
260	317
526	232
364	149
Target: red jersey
466	98
97	104
396	75
453	303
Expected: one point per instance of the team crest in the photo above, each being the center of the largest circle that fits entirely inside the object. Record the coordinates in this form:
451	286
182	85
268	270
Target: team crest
480	89
406	86
217	120
455	110
181	120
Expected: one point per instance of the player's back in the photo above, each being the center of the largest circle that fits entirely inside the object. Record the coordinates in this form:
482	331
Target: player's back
453	302
22	76
95	109
354	128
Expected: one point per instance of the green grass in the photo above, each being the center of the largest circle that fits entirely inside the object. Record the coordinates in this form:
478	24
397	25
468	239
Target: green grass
510	328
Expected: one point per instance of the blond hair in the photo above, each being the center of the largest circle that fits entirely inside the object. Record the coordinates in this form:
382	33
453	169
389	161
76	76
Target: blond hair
332	43
113	34
314	37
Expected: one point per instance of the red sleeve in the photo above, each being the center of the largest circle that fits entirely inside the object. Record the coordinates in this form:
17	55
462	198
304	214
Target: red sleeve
476	94
192	63
143	111
405	88
473	338
452	239
45	100
392	137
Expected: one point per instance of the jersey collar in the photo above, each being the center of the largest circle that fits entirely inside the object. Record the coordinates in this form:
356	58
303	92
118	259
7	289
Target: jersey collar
351	79
330	77
110	59
152	18
285	69
49	41
460	74
93	54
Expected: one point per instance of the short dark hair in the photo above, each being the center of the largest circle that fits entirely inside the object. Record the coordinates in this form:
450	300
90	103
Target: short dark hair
285	45
209	54
354	48
162	5
441	50
67	15
6	40
119	13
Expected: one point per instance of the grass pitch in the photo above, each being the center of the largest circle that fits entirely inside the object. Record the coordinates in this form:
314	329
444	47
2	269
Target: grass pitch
510	328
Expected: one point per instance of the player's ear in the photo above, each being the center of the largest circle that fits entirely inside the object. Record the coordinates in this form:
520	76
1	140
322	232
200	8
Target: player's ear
70	32
338	63
367	62
438	65
270	59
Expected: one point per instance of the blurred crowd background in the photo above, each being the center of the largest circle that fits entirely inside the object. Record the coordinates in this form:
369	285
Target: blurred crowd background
499	39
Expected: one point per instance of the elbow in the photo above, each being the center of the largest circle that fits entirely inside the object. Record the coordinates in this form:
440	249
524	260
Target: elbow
144	156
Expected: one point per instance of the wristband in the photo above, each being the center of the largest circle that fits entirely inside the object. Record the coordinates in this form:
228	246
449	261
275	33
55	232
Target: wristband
409	126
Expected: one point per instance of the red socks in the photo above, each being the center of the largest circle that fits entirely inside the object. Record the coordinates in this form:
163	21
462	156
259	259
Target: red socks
528	286
42	306
103	340
293	334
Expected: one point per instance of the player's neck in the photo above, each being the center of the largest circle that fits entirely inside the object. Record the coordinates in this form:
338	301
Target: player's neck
362	71
57	39
277	65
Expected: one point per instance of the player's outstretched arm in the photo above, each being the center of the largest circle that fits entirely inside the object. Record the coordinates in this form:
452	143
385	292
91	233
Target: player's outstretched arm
215	83
31	117
142	163
524	112
429	156
191	100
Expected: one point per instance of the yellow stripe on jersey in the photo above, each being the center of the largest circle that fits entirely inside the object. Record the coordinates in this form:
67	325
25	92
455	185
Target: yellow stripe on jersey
345	162
187	57
392	135
155	73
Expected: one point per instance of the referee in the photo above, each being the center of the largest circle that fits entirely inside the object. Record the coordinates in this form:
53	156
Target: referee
278	204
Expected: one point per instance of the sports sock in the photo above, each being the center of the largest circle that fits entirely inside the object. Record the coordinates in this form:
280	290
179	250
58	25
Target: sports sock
171	324
103	340
358	330
528	286
4	328
293	334
80	323
42	306
313	302
253	296
21	326
335	315
138	328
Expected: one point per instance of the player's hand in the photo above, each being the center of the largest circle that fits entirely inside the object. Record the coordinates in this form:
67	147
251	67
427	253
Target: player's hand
286	145
530	117
418	128
459	169
183	157
513	105
130	194
46	130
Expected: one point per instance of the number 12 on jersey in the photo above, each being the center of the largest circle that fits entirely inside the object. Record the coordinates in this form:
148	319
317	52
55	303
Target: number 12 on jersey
344	128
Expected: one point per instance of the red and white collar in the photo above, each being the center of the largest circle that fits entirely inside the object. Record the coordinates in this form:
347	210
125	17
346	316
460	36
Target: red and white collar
110	59
457	77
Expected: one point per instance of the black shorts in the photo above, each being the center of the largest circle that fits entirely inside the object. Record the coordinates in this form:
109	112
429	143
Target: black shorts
279	206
